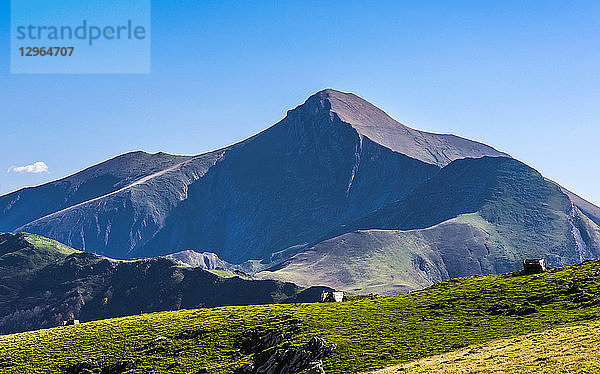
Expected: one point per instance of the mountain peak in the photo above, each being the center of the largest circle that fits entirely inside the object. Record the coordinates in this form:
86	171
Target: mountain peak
372	122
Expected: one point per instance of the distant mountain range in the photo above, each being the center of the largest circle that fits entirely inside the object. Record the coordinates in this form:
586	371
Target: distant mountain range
43	282
337	193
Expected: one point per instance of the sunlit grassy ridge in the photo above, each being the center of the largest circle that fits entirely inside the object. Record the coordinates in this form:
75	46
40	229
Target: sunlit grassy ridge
370	333
567	349
41	242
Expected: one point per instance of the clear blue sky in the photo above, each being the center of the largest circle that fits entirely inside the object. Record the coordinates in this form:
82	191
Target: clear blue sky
523	76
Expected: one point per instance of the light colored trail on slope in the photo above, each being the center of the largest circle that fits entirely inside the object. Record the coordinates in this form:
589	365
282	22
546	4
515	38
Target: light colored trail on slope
136	183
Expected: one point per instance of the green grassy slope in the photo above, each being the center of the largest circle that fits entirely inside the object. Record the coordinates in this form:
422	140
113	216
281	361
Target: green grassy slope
529	212
566	349
22	254
477	216
370	333
36	250
43	282
396	261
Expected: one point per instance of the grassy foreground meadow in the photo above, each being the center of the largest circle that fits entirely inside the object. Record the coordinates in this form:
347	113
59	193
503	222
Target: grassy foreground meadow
567	349
370	332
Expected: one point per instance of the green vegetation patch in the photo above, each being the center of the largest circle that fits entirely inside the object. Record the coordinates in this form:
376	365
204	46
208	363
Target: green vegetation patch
567	349
370	332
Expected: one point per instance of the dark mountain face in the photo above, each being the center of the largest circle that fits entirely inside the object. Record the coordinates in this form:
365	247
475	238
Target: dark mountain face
333	166
287	186
503	190
44	282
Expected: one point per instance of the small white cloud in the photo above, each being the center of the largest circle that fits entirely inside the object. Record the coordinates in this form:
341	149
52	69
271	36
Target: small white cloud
35	168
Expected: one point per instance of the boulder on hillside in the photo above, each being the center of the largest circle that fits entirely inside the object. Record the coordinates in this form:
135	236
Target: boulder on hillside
119	367
82	367
290	360
315	367
252	341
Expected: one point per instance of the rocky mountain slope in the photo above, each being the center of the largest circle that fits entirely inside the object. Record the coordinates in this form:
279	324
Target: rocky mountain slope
43	282
31	203
334	166
136	192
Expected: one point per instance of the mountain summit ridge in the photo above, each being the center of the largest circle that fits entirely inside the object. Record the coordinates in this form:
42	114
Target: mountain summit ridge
370	121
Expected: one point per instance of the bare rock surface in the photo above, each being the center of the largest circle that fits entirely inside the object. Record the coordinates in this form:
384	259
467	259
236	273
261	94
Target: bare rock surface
290	360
